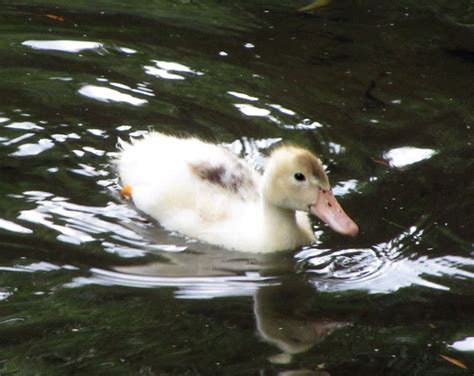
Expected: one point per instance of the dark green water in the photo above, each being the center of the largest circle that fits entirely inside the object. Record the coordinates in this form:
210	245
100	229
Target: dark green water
383	91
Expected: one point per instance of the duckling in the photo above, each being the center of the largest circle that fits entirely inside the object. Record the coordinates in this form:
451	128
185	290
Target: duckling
204	191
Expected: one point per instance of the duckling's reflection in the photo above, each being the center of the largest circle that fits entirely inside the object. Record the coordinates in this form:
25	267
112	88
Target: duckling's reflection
283	303
284	319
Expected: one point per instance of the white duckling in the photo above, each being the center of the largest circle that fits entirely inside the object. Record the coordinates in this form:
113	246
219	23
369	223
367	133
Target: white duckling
204	191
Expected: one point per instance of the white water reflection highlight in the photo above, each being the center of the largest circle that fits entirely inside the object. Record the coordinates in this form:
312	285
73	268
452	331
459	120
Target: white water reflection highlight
13	227
128	51
72	46
345	187
105	94
33	149
282	109
250	110
188	287
114	226
305	124
41	266
467	344
167	70
24	125
383	268
242	96
407	155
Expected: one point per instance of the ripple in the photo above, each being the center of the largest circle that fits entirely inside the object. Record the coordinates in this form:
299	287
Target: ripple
382	268
142	88
4	295
250	110
242	96
72	46
33	149
345	187
105	94
118	228
278	114
126	50
188	287
407	155
78	224
25	125
41	266
282	109
253	150
466	344
305	124
346	264
168	70
11	226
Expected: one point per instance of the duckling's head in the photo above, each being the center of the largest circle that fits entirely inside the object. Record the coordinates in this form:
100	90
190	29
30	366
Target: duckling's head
294	179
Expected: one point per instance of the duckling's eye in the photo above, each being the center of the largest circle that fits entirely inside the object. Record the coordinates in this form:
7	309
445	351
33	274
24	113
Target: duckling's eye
299	176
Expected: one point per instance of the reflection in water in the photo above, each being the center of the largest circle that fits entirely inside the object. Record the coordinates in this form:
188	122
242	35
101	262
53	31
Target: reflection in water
188	287
63	45
14	227
253	150
105	94
4	294
126	50
242	96
283	322
27	125
405	156
282	109
33	149
15	140
383	268
37	267
297	79
250	110
276	113
77	224
466	344
345	187
204	273
306	124
167	70
282	311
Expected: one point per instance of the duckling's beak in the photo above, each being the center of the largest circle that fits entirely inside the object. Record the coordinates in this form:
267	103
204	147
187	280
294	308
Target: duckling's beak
330	212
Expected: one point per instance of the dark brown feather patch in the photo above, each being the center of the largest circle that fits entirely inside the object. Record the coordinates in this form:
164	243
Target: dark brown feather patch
235	180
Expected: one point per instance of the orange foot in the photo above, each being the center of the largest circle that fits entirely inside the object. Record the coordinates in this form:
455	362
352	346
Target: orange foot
126	192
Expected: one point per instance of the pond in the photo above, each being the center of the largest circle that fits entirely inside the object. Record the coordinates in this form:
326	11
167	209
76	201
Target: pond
383	92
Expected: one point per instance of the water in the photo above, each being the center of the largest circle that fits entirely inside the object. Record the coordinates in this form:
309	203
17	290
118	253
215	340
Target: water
383	92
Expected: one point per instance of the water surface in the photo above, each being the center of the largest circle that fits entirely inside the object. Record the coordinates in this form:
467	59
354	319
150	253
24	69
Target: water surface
382	92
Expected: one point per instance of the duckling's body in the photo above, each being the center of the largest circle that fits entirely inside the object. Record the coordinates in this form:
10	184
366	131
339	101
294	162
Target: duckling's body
204	191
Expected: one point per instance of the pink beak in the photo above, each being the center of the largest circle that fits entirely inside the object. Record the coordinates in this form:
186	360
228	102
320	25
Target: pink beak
331	213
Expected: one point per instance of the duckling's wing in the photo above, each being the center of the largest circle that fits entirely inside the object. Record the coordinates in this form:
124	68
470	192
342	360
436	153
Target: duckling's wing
228	173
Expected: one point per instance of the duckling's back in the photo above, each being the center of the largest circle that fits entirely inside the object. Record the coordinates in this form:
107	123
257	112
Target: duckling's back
199	189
